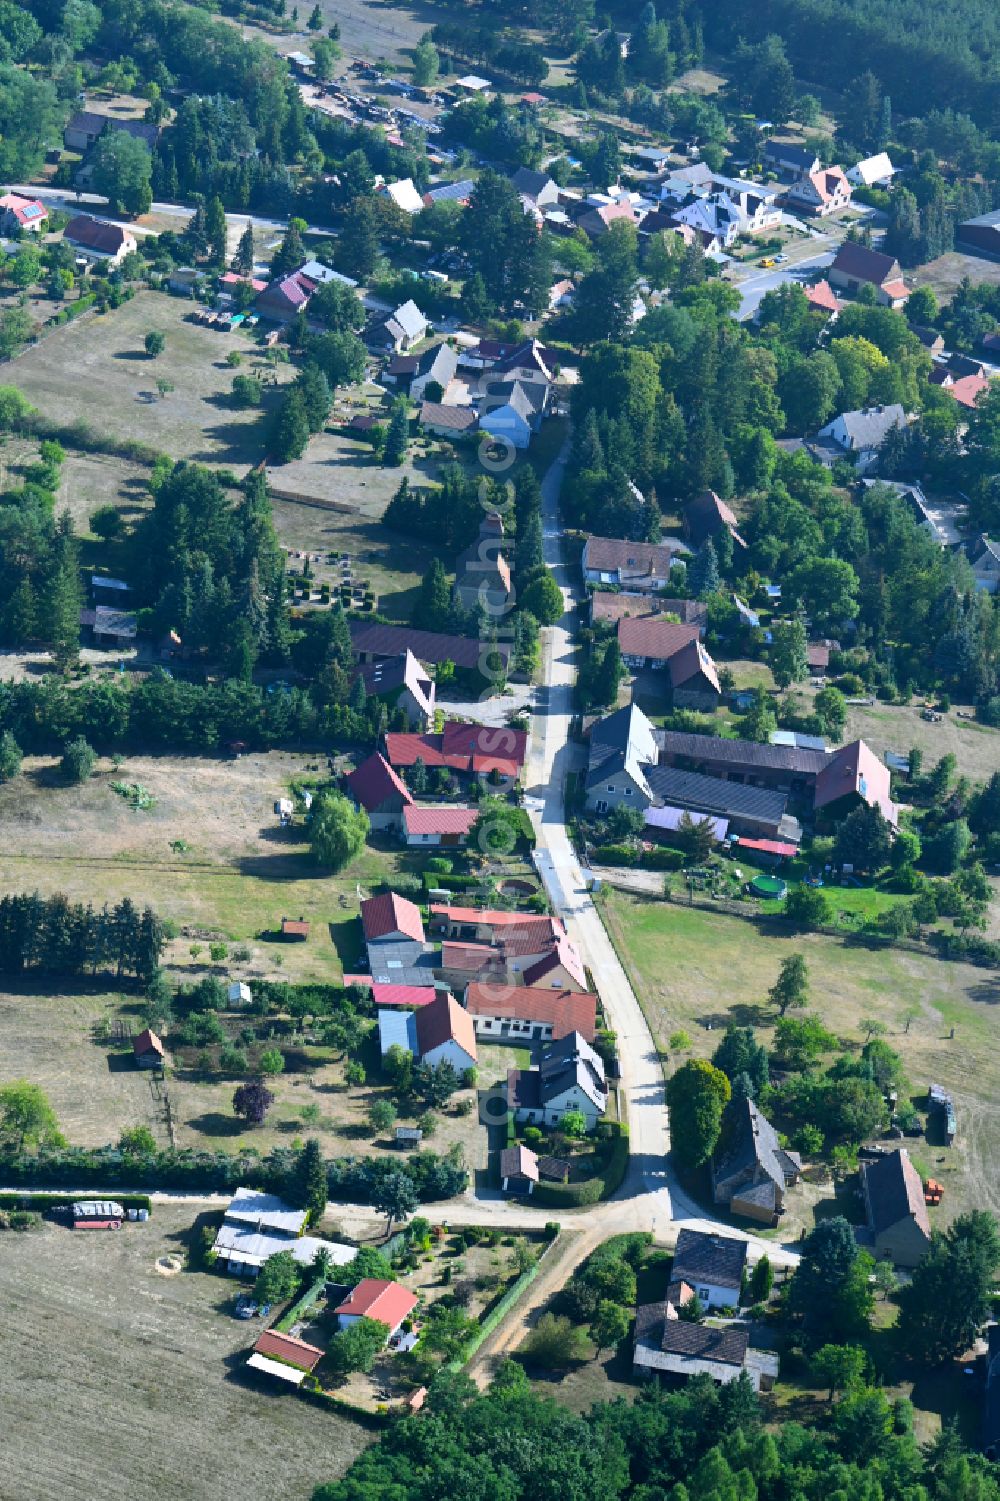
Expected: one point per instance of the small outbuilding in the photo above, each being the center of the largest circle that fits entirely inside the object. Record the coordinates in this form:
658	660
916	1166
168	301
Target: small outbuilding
97	1214
295	928
148	1050
239	995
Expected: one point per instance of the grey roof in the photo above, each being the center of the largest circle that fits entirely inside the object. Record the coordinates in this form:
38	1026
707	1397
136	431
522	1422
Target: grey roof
251	1206
987	221
893	1192
705	1341
622	741
870	427
439	363
409	318
378	640
569	1061
751	1144
527	397
717	1259
403	962
709	749
530	183
447	191
701	794
787	151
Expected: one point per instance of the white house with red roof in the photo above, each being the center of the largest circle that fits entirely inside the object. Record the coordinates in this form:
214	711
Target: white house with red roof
389	1303
821	193
447	825
446	1033
19	213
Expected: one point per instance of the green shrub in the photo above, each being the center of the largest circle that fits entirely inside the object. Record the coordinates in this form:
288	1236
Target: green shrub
662	859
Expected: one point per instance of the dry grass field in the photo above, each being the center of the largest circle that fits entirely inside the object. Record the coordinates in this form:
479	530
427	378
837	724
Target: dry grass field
115	1380
898	727
96	371
944	274
238	877
699	970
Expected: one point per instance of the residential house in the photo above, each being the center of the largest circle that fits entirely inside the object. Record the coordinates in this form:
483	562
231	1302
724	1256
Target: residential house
511	411
529	1013
437	366
966	389
751	1171
432	826
787	157
694	680
257	1225
446	1034
980	236
287	296
856	265
518	1170
373	643
568	1077
476	749
107	242
404	684
390	1303
109	626
507	947
447	422
984	557
537	187
712	1264
649	642
404	195
561	294
641	567
860	435
148	1050
622	748
943	520
83	129
850	775
405	327
482	573
898	1229
614	606
708	515
598	219
820	193
668	1345
874	172
17	213
932	341
822	296
380	791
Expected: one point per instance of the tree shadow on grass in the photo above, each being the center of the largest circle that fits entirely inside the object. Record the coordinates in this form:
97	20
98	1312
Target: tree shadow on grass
214	1123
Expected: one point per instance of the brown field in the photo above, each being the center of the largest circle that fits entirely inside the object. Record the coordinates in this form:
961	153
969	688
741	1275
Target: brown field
898	727
944	274
699	970
96	370
117	1380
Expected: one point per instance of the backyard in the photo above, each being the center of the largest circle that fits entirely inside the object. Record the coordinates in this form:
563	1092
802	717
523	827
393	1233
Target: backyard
697	971
132	1361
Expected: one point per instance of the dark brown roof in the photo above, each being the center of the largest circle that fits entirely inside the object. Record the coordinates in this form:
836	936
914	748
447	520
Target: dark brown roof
96	234
519	1162
649	636
864	264
458	419
707	515
427	646
705	1342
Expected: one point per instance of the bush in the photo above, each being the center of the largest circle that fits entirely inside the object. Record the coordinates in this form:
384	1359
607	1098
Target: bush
78	760
662	859
616	854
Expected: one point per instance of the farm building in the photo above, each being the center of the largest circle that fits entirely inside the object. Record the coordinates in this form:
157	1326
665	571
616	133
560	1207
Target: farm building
530	1012
257	1225
375	787
284	1357
148	1050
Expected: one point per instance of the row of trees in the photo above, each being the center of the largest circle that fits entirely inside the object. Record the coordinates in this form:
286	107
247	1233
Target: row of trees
56	936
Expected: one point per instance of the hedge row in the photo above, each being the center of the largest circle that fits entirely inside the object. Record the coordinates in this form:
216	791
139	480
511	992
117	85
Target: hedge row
73	310
42	1201
627	855
592	1190
499	1311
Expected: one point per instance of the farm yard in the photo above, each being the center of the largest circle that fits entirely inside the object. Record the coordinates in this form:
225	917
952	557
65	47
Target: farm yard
117	1380
697	971
96	371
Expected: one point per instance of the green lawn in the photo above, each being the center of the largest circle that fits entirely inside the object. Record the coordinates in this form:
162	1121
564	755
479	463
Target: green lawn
698	970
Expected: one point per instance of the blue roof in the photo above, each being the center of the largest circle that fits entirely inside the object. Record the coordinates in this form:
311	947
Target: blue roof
398	1028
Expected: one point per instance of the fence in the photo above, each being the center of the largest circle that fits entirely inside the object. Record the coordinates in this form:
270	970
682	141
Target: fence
500	1309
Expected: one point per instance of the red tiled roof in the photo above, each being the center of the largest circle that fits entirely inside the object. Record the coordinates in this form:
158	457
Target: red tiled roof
470	957
374	1298
297	927
438	820
482	916
442	1021
691	660
25	210
374	782
968	389
390	913
823	296
895	289
485	742
565	954
147	1042
565	1010
649	636
289	1349
851	769
403	995
769	847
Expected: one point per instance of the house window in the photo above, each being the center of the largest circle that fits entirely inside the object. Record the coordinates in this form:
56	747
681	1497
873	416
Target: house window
610	787
602	806
628	791
703	1294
